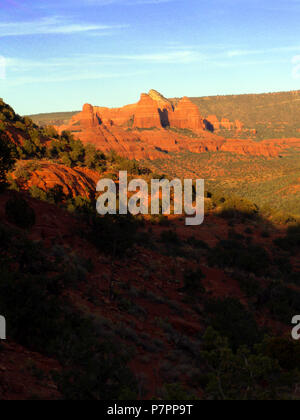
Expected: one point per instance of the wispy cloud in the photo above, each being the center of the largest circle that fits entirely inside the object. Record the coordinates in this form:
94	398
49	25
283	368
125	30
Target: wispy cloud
52	25
171	57
245	52
76	60
67	77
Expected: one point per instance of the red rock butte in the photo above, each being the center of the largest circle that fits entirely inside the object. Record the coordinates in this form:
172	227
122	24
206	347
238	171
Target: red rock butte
155	126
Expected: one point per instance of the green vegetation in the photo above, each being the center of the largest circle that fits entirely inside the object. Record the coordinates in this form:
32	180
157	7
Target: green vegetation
55	118
245	374
230	318
114	235
274	115
6	160
41	318
271	183
246	257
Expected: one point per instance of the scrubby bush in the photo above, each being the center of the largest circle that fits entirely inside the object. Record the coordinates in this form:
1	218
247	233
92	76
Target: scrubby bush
283	349
291	241
243	374
19	212
197	243
41	318
232	253
238	207
193	281
38	193
6	160
231	319
170	237
282	302
114	235
56	194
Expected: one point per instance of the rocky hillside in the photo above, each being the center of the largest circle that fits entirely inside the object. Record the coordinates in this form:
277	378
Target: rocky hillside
153	128
270	115
130	308
257	116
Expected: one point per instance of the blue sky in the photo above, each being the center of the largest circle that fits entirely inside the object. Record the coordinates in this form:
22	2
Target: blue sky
57	55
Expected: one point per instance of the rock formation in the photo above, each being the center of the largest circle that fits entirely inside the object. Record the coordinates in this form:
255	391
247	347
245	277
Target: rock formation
213	124
186	115
142	130
146	113
74	181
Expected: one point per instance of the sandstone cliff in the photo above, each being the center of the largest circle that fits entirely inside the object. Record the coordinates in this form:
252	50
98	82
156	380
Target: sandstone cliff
186	115
154	127
147	113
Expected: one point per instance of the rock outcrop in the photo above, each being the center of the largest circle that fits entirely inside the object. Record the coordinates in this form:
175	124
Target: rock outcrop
144	130
214	124
147	113
46	175
152	111
186	115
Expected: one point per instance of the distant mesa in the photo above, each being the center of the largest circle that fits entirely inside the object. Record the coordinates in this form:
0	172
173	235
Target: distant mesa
156	126
214	124
152	111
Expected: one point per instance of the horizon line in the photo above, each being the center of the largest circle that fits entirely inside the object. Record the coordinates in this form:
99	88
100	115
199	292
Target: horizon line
170	98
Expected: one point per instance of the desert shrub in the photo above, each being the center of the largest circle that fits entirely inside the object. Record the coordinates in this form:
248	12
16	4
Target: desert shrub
19	212
114	235
284	265
32	147
32	314
160	220
238	207
20	126
81	205
293	278
6	160
249	285
231	253
282	302
291	241
243	374
103	376
38	193
249	231
56	194
197	243
22	173
283	349
94	159
176	392
70	151
169	236
41	318
193	281
50	131
230	318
